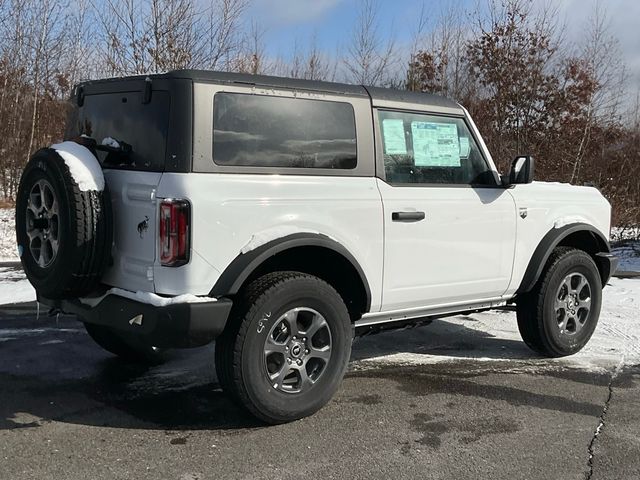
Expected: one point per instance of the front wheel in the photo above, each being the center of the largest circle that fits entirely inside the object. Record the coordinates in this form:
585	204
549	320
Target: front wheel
558	317
287	346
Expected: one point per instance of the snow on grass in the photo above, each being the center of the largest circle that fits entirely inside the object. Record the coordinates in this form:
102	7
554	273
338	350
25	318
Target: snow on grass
625	233
84	167
8	250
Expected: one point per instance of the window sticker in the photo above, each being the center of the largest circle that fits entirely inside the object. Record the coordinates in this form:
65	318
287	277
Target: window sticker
465	148
393	134
435	144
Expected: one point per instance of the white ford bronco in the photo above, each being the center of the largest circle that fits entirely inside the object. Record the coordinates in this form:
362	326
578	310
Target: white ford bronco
280	217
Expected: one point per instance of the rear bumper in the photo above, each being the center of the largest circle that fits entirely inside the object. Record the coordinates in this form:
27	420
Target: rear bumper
608	264
172	326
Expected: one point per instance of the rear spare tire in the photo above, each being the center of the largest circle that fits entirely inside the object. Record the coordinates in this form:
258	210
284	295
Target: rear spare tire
63	224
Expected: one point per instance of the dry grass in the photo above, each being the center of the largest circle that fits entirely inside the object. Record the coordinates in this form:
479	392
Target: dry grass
7	203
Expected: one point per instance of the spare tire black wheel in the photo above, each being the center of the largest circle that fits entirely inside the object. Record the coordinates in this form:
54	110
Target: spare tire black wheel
64	234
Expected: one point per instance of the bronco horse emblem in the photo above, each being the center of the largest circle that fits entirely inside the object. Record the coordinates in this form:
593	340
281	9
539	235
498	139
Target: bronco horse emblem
143	226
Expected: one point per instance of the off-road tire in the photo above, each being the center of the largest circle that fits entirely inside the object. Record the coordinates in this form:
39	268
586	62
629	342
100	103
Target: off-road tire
126	346
240	349
535	310
84	230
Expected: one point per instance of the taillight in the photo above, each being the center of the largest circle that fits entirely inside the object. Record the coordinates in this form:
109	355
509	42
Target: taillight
174	232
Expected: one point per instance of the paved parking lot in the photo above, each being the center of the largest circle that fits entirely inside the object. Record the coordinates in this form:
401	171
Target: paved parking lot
70	411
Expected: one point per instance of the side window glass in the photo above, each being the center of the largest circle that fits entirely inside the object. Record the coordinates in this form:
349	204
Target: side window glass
420	148
270	131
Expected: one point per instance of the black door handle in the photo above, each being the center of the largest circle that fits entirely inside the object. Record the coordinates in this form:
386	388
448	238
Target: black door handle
407	216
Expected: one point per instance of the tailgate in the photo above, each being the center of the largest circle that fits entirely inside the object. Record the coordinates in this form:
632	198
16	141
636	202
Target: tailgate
134	228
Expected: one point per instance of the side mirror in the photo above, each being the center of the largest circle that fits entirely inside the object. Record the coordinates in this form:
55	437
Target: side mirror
521	170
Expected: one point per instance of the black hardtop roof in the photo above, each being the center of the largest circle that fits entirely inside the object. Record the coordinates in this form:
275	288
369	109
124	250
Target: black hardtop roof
211	76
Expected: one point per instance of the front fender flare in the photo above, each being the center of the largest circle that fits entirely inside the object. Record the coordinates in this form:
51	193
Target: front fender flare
550	241
237	272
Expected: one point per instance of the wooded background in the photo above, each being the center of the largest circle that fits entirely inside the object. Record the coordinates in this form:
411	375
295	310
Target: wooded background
530	90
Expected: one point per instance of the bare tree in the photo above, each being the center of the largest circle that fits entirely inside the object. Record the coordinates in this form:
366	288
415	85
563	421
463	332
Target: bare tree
151	36
369	58
251	58
308	63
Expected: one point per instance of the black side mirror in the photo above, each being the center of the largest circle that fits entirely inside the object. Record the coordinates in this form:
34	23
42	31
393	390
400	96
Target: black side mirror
521	170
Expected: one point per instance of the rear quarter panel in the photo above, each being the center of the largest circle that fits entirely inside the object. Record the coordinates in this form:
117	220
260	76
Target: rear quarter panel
231	210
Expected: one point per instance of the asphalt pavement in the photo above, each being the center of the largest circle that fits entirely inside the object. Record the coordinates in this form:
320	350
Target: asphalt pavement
69	410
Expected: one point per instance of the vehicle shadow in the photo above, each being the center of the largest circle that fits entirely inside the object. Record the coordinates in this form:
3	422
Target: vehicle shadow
52	372
459	337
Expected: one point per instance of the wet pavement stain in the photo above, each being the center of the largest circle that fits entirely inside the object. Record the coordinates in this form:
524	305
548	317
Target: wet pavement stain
471	430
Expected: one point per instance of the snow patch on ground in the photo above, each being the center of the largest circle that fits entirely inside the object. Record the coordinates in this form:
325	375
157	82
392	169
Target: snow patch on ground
493	336
149	298
629	254
8	249
14	286
270	234
84	167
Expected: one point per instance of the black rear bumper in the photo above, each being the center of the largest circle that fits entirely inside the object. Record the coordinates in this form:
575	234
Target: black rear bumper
177	325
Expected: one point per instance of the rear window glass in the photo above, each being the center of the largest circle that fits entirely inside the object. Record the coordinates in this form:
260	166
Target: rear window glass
123	117
264	131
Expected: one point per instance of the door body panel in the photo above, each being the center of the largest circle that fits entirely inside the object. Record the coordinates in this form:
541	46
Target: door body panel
461	251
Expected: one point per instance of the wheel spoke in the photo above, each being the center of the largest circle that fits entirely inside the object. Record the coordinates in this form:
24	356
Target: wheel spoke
278	377
563	324
323	353
305	380
558	304
274	347
317	323
291	317
581	284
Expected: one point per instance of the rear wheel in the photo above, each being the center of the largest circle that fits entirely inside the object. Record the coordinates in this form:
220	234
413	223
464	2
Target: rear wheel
558	317
126	346
286	348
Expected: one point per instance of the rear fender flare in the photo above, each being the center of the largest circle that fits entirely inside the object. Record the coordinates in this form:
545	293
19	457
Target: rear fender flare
241	268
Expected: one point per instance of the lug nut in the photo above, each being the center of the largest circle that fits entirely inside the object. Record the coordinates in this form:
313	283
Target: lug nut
306	351
299	362
289	361
286	349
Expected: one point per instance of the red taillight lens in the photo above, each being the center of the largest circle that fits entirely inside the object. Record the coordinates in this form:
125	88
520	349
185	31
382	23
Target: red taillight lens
174	232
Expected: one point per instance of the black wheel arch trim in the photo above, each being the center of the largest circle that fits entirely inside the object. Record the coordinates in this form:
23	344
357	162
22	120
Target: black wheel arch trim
239	270
606	262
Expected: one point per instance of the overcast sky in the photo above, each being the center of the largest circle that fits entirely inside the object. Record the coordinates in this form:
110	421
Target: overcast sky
331	21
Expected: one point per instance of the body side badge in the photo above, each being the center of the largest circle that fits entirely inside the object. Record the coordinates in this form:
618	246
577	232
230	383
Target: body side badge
143	226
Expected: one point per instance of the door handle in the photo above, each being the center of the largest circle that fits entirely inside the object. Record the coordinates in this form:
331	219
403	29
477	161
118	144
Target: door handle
407	216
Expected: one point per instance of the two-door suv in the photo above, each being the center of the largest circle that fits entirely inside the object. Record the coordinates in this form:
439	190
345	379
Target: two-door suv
281	216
